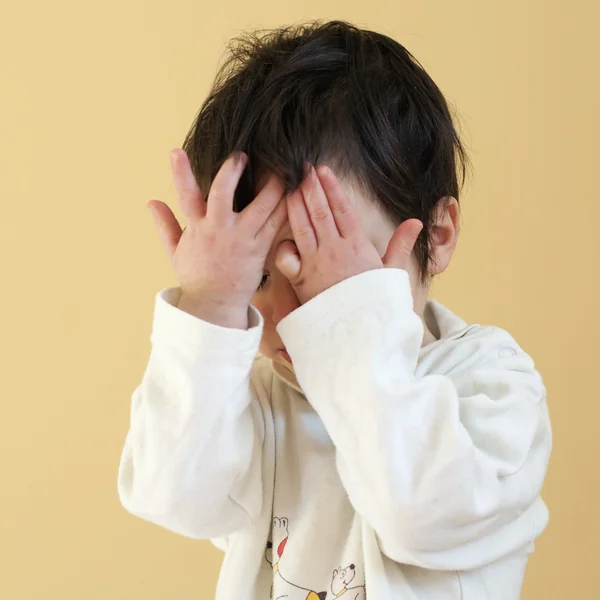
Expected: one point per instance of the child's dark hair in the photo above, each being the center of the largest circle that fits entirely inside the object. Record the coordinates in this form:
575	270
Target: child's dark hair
332	93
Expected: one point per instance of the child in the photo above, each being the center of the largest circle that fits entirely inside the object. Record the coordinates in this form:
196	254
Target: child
306	405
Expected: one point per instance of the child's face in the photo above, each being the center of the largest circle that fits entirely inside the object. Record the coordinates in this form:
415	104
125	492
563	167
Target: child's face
276	298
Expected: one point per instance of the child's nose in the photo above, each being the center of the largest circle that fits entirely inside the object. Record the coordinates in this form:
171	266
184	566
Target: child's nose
282	298
283	304
283	309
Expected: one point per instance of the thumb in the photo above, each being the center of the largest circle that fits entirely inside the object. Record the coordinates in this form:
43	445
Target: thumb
168	227
287	260
401	244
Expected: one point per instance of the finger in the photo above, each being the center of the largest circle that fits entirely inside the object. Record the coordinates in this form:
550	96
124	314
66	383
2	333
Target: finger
191	202
256	214
287	260
302	229
344	214
318	207
168	227
274	223
401	244
222	189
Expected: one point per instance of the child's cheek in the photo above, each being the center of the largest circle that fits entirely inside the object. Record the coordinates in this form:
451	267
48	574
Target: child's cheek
266	347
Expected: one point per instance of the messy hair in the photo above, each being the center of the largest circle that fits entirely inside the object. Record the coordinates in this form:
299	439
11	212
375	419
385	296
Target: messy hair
331	93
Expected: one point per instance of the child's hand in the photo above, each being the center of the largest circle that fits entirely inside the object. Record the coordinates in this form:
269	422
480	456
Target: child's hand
218	257
330	242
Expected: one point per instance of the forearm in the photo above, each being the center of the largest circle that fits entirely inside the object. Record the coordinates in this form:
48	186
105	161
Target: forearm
195	433
434	463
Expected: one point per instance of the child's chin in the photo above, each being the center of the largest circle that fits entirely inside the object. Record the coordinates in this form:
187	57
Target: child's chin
281	360
285	356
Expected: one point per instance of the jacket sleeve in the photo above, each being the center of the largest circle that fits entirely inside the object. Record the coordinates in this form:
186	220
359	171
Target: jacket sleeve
192	456
446	468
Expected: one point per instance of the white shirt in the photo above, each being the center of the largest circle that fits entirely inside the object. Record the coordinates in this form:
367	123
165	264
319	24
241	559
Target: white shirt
383	468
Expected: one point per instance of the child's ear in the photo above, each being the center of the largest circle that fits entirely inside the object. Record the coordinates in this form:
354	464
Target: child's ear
444	234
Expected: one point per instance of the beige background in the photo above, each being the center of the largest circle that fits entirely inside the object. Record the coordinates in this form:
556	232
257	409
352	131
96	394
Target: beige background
94	95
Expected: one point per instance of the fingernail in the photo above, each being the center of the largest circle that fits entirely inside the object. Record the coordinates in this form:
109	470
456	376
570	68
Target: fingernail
173	155
326	172
240	158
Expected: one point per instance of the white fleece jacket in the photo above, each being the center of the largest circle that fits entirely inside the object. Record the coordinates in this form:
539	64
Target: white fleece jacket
382	468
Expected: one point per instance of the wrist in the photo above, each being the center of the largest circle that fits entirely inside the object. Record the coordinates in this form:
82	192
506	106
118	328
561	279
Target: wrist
234	317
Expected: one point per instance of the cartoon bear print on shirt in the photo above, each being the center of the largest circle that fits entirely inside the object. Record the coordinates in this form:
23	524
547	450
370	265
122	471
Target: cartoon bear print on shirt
282	588
342	578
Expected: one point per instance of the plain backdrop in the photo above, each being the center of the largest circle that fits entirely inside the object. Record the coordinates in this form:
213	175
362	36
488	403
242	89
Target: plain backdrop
93	96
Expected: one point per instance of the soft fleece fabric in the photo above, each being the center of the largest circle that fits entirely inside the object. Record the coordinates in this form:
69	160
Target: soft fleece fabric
382	468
